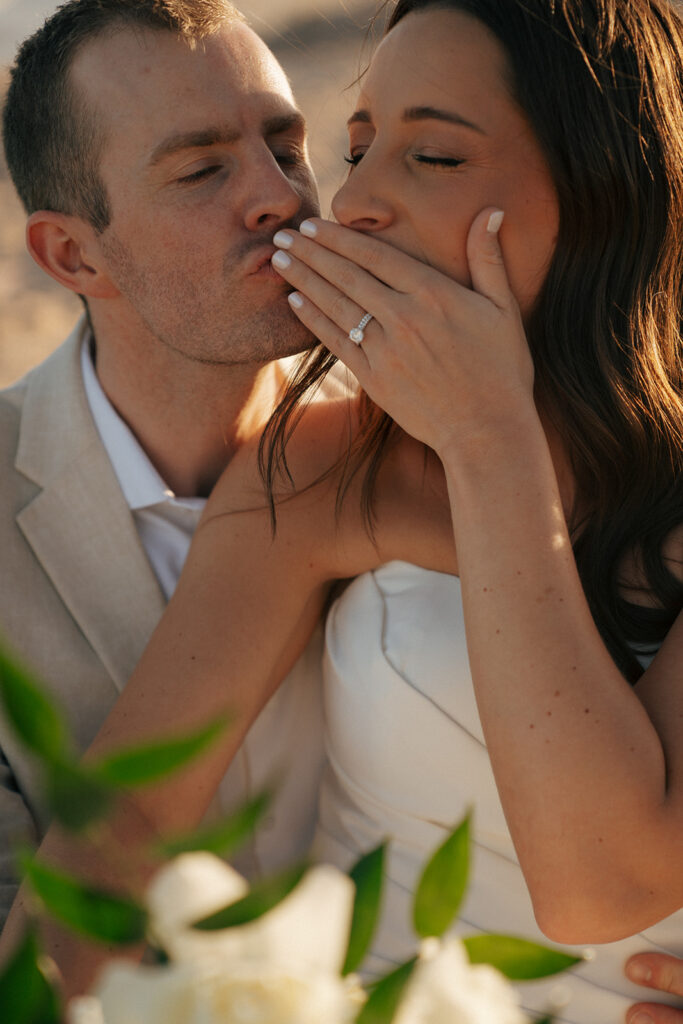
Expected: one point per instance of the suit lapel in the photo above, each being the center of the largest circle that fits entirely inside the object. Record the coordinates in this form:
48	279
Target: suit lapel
79	525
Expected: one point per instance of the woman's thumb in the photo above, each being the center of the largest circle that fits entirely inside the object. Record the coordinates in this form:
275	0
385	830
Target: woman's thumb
485	258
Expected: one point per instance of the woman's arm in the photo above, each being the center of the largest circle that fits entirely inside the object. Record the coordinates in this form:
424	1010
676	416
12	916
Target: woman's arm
245	607
589	771
243	610
589	776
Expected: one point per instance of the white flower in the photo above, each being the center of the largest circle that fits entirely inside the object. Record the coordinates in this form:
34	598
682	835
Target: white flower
139	995
310	928
244	992
85	1010
283	968
185	890
446	989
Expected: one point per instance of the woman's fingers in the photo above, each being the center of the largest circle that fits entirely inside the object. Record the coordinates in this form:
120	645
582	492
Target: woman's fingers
328	279
653	1013
332	337
379	259
401	273
328	313
434	351
657	970
339	308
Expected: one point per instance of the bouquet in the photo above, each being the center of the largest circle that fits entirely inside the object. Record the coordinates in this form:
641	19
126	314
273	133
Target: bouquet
286	950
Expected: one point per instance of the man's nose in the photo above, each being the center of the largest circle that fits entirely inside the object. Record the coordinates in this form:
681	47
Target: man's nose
273	198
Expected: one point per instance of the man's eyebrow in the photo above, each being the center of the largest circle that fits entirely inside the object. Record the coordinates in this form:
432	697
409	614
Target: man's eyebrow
359	117
421	114
284	123
222	135
191	140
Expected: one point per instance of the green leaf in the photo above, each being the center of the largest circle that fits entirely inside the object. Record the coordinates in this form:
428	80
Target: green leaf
367	876
261	898
93	912
518	959
223	837
32	715
140	765
443	884
75	796
26	995
385	996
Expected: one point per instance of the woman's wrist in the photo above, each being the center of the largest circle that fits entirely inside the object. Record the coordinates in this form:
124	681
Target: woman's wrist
505	439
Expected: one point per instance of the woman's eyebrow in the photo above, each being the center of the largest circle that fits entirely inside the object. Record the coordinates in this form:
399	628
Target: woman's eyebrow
421	114
436	114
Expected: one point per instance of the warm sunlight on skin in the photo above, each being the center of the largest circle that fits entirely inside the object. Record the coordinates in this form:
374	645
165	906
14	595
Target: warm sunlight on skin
204	157
436	142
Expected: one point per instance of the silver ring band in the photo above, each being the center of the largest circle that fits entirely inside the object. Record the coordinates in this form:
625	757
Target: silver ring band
356	334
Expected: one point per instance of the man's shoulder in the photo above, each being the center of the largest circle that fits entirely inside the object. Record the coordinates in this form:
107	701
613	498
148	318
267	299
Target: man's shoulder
11	405
61	363
49	390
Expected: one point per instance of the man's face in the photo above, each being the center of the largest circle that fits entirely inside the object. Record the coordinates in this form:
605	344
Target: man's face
205	158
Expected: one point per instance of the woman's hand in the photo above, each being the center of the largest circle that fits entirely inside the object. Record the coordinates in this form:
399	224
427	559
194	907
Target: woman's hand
663	973
448	363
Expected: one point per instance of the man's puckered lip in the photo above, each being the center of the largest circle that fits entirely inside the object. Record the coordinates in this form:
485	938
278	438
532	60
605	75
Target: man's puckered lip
260	258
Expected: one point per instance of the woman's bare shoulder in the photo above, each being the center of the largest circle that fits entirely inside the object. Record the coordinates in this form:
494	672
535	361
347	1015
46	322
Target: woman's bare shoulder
319	508
315	442
413	508
298	508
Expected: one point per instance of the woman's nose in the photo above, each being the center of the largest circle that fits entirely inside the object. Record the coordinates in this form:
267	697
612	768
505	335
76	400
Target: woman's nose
356	204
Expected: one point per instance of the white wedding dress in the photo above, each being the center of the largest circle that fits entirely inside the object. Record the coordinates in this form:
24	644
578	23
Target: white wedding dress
406	758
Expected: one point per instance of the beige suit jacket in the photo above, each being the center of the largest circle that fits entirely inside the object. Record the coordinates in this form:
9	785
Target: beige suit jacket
78	598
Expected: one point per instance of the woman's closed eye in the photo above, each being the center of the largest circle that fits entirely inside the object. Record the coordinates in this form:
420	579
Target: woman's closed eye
437	161
422	158
355	158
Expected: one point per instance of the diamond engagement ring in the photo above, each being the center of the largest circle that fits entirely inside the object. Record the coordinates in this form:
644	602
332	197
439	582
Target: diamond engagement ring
356	334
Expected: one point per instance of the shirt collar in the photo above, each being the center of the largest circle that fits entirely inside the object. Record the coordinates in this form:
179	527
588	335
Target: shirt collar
140	482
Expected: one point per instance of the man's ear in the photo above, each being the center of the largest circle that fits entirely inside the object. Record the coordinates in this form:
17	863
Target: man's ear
64	247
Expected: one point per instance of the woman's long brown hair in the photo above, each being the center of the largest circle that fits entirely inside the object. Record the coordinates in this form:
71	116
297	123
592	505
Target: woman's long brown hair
601	82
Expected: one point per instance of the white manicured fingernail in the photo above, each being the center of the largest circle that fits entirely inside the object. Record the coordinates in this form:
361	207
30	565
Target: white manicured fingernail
308	228
281	260
495	220
295	300
283	240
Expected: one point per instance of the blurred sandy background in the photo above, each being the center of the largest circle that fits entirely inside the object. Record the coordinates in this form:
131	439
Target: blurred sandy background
319	43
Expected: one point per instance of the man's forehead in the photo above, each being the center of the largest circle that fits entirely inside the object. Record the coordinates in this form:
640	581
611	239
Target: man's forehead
128	67
148	88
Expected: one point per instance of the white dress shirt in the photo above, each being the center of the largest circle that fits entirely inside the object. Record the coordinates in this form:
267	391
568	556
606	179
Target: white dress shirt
284	745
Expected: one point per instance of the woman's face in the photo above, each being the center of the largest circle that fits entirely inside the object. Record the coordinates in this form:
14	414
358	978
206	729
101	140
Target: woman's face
436	137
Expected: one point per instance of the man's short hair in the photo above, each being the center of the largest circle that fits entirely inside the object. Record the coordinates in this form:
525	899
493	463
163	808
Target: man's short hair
53	141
